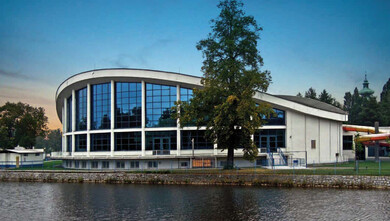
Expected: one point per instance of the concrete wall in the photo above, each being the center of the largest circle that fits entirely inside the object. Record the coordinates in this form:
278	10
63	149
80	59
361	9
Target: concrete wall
303	128
319	181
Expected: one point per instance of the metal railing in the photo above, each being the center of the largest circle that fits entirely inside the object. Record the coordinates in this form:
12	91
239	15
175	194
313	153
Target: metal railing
161	152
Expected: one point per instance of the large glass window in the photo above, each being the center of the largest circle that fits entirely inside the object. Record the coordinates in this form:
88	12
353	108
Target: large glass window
101	106
128	141
200	142
277	119
270	139
69	114
159	101
81	143
69	143
161	140
128	105
347	142
81	109
185	94
100	142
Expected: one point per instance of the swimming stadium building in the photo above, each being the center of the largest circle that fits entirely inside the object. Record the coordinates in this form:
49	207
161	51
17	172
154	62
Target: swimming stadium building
121	119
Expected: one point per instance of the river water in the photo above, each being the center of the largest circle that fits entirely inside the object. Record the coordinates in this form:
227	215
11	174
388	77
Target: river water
58	201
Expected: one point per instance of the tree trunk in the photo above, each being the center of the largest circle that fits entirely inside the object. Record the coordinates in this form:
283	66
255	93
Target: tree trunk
230	158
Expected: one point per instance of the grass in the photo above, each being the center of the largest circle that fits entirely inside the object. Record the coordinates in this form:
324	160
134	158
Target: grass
47	165
365	168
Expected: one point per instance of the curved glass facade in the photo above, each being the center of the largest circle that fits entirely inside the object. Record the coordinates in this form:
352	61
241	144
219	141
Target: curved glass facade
81	109
128	132
159	101
128	97
101	106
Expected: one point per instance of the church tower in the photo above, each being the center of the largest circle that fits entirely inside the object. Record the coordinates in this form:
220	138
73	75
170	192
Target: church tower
366	91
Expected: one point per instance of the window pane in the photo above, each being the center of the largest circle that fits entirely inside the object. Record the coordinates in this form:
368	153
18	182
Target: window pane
101	106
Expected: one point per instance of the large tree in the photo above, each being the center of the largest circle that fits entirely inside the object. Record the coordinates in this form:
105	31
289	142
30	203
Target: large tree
20	124
52	142
231	78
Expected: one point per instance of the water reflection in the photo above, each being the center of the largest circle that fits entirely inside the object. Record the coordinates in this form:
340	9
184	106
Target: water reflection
42	201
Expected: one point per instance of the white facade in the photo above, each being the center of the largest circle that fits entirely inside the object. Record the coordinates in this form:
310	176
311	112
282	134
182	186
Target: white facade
310	133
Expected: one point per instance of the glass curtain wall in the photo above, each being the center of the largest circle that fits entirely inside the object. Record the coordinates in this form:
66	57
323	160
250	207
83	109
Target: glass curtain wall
128	107
69	114
81	109
161	140
69	143
100	142
101	106
159	101
81	143
200	142
128	141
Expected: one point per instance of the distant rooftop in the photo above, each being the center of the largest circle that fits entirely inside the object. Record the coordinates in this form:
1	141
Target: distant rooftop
312	103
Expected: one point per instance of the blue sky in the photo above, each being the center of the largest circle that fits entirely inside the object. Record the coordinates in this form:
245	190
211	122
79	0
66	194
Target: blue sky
321	44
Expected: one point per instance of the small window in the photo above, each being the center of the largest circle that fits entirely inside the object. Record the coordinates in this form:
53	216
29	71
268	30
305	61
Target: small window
95	164
105	164
152	164
76	164
134	164
347	142
26	154
37	154
120	165
313	144
184	164
84	164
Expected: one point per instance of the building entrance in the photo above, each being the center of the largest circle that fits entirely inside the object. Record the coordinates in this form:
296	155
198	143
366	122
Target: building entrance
161	145
268	142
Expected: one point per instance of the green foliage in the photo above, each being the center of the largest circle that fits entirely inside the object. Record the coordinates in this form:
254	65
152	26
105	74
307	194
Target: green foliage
324	97
51	143
231	78
20	124
311	93
366	110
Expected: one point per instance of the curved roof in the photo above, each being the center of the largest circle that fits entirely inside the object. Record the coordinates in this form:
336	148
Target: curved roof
80	80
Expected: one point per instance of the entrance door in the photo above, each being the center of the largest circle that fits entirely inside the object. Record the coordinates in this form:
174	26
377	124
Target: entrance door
272	143
268	142
161	145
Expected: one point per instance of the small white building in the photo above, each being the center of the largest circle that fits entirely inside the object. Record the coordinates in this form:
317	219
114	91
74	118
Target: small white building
21	157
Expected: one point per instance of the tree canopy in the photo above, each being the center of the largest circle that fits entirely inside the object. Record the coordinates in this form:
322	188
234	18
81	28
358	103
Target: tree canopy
232	76
367	110
20	124
324	96
52	142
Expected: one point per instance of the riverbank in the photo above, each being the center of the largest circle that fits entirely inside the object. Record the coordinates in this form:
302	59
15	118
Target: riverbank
270	180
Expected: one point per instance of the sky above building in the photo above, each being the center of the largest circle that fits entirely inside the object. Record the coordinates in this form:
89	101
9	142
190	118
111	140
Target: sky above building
321	44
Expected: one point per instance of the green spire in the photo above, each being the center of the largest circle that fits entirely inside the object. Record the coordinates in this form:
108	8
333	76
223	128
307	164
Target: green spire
366	91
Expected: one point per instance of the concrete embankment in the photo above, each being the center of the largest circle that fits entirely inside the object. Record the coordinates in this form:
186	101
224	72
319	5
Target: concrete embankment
317	181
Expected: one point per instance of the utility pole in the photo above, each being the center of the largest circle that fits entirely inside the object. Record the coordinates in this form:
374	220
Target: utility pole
376	142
